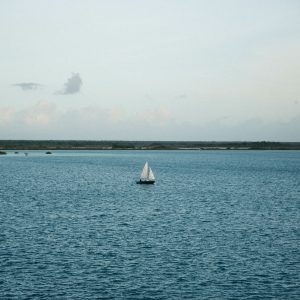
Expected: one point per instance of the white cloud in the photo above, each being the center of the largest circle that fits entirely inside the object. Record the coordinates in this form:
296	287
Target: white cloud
6	115
40	114
44	120
156	117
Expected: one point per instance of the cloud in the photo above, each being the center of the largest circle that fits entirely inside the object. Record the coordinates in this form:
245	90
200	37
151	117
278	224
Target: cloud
159	116
72	86
45	120
25	86
6	115
181	96
40	114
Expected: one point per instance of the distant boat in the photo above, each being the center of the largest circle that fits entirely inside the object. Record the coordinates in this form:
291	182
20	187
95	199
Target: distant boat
147	176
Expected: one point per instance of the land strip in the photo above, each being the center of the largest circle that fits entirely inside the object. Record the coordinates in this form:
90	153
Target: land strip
144	145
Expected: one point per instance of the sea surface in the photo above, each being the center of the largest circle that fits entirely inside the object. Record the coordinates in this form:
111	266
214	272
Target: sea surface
216	225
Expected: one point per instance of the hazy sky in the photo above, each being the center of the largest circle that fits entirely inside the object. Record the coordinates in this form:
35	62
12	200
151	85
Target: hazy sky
150	70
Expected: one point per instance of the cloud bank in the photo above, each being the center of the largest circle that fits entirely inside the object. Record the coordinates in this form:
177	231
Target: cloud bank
44	120
25	86
72	86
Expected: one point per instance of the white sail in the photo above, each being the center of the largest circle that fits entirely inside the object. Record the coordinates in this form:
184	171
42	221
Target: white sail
151	175
145	172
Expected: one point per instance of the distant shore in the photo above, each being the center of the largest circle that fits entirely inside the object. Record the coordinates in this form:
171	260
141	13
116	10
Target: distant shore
144	145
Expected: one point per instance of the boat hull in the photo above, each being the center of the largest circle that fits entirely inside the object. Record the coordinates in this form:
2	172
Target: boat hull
146	182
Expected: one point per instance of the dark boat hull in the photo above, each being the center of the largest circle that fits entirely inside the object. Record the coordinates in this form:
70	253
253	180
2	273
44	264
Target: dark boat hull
145	182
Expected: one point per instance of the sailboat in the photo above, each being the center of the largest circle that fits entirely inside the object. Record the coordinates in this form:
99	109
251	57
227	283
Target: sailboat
147	176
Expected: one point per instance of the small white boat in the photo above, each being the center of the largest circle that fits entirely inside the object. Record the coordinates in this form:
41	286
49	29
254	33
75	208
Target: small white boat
147	176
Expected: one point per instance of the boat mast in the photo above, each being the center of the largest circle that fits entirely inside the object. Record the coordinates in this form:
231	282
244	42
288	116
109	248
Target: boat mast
148	170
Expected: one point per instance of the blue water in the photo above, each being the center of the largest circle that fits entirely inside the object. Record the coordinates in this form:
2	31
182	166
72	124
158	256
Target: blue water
216	225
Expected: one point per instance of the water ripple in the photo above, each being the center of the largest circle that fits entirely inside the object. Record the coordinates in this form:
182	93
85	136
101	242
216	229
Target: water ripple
217	225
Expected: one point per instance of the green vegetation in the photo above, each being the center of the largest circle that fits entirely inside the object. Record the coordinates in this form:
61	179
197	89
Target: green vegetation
143	145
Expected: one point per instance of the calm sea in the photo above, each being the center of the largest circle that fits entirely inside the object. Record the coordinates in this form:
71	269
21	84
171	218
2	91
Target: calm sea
216	225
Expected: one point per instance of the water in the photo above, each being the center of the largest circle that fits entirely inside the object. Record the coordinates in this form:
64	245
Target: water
216	225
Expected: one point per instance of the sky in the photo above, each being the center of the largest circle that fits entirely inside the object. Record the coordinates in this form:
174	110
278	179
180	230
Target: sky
150	70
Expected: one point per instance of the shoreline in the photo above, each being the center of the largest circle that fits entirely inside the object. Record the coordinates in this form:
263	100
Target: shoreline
144	145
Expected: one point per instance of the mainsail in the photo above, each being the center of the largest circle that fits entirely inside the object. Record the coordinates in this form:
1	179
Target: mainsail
145	172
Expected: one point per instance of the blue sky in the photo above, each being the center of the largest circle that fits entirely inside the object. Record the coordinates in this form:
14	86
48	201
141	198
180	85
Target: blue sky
150	70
